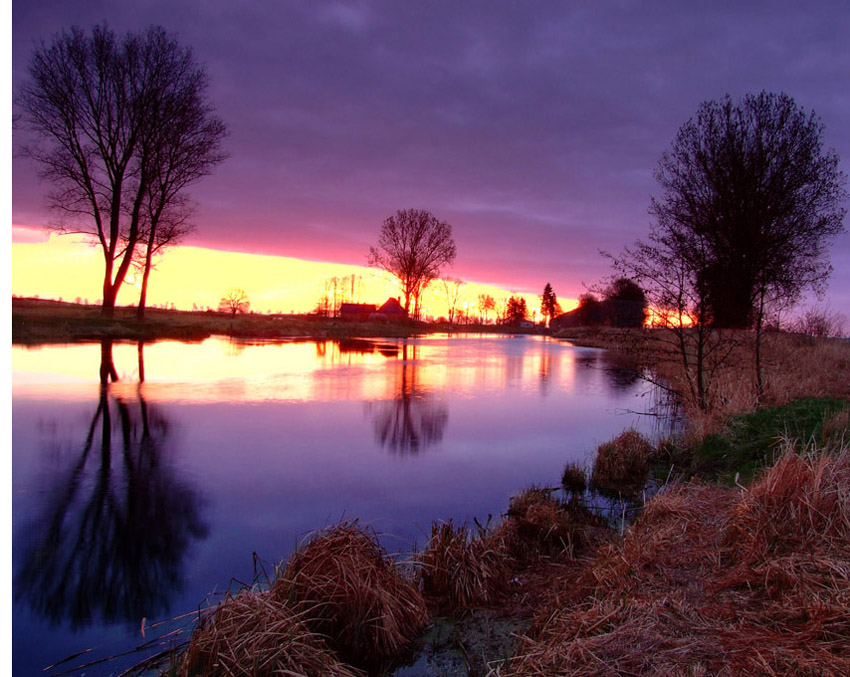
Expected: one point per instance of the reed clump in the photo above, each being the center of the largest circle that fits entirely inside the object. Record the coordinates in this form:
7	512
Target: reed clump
354	594
254	635
574	478
460	570
538	525
622	465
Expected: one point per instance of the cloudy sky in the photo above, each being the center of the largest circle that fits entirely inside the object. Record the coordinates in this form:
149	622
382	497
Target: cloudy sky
532	127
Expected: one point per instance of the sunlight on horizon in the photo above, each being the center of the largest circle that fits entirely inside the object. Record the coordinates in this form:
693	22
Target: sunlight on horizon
69	268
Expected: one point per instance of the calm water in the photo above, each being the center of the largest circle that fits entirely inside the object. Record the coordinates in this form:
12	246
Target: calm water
139	501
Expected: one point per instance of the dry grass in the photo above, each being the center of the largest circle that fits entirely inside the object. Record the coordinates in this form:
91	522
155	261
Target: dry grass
253	635
574	478
460	570
353	594
622	465
538	525
715	581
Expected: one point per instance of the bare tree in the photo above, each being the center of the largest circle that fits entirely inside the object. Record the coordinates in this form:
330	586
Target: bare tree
121	127
413	246
452	288
486	303
749	200
234	301
753	180
820	322
668	269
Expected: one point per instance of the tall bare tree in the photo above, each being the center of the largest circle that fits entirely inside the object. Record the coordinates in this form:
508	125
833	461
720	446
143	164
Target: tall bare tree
413	246
121	127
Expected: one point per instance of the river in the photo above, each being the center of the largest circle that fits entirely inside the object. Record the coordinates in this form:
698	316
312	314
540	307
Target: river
205	463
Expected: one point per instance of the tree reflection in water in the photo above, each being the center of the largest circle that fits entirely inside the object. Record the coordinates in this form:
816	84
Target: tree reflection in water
413	420
116	525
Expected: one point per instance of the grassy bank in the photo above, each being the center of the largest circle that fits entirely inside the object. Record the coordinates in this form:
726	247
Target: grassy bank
39	321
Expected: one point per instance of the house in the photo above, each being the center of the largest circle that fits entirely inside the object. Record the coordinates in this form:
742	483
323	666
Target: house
356	312
391	311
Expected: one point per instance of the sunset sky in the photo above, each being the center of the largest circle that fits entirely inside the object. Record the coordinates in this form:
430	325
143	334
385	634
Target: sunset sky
532	127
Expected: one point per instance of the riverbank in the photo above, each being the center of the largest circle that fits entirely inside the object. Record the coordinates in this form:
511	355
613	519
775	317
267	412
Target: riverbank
713	562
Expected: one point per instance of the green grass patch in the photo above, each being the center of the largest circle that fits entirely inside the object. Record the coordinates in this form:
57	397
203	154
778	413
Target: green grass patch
750	442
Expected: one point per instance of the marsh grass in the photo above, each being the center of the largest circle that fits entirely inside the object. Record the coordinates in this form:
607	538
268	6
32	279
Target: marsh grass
622	465
574	478
351	592
716	581
539	525
460	569
252	635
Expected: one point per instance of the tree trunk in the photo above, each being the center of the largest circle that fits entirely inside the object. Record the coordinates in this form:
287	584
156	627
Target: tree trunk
143	295
759	328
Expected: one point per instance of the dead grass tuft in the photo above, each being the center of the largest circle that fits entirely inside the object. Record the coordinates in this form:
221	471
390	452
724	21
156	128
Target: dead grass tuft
253	635
574	478
622	465
539	525
460	570
354	594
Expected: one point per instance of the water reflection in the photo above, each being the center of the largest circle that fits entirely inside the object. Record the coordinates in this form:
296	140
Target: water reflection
413	420
621	370
117	521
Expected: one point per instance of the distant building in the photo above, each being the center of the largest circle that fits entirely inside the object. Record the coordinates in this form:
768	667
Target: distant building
391	311
356	312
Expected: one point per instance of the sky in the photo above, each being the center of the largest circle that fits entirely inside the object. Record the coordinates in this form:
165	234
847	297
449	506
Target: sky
533	128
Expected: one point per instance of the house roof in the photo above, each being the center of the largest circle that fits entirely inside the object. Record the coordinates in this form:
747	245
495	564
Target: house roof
392	307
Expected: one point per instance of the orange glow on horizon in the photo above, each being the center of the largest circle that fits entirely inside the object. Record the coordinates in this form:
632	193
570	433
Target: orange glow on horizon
71	268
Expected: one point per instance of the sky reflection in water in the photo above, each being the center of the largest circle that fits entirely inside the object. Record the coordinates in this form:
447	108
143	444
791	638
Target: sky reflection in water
140	500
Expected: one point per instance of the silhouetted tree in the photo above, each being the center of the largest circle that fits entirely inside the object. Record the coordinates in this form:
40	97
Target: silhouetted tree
749	199
549	306
121	127
625	303
590	311
753	181
486	303
413	246
235	301
452	287
516	311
